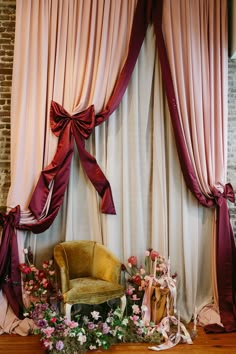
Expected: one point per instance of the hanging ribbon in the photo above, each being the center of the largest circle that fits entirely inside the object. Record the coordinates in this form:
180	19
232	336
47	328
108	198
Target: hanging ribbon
10	277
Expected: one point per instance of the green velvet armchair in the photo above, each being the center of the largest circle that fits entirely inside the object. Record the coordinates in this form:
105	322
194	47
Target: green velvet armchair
88	273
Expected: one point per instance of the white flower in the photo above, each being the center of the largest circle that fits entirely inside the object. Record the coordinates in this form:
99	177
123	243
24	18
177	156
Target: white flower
125	321
99	342
71	334
25	250
82	338
136	309
92	347
95	315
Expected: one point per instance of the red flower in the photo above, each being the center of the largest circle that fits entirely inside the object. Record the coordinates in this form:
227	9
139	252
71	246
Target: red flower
154	254
132	260
137	280
41	275
24	268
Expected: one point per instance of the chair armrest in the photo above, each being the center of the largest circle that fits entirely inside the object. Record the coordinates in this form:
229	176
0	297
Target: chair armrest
61	268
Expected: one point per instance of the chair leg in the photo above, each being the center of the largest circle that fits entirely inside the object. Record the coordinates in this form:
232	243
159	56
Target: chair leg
123	301
67	310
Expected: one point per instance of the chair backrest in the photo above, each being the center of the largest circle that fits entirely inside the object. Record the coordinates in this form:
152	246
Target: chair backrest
86	259
78	256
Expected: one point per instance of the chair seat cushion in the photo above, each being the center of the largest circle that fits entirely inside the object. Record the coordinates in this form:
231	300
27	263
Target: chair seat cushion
88	290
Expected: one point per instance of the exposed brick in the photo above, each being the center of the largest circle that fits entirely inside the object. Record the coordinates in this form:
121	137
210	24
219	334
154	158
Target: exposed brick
7	35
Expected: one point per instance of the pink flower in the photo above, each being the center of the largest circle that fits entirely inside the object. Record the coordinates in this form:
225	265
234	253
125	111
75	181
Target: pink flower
147	253
134	318
71	324
91	325
129	290
48	344
132	260
48	331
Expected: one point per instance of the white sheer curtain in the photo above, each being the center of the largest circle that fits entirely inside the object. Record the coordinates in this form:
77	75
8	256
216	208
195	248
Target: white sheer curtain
135	147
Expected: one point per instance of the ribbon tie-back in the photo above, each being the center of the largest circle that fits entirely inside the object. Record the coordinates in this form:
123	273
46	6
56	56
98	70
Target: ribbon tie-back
67	128
228	193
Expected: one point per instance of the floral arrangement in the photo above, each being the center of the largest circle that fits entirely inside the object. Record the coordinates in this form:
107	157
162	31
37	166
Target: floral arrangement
38	284
59	335
101	329
144	279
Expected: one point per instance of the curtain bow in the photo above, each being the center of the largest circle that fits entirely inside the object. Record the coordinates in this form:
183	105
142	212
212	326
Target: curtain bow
81	127
82	122
67	128
228	194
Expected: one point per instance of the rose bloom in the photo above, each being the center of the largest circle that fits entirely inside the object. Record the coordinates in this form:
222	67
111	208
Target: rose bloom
147	253
137	279
82	338
53	319
91	325
154	254
132	260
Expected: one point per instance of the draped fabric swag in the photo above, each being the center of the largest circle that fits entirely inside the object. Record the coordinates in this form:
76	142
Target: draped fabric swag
75	111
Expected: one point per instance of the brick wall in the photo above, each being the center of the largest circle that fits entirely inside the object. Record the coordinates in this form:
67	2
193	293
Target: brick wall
7	26
7	30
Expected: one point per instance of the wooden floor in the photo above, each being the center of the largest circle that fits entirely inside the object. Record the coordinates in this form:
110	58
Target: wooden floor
203	343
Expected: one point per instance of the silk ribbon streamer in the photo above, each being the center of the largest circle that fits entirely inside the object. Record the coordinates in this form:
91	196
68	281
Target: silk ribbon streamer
10	276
